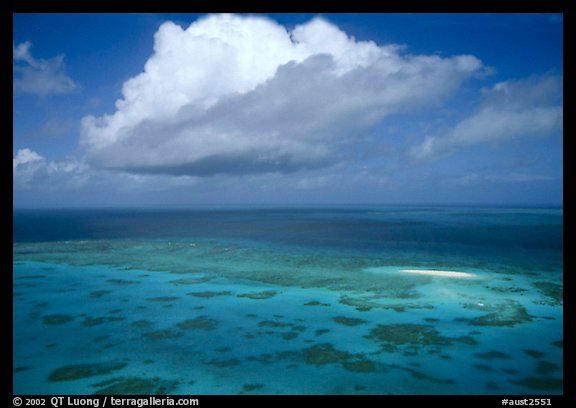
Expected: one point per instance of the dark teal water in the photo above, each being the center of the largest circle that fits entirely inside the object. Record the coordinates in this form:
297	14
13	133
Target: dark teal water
288	301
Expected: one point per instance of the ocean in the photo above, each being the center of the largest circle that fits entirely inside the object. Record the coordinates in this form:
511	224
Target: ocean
374	300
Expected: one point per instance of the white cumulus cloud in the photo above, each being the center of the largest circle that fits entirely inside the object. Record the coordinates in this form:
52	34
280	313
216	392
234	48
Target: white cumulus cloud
240	95
511	109
30	169
25	157
39	76
25	166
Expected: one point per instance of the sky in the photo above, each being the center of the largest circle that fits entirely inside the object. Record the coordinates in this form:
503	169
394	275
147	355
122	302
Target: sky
184	110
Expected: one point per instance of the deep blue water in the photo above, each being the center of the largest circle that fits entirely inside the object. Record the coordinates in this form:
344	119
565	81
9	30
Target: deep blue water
515	236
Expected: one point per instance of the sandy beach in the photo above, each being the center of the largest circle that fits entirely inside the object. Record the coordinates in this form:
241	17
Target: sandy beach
448	274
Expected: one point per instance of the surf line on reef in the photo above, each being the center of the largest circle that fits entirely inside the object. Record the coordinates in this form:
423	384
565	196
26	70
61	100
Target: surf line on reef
448	274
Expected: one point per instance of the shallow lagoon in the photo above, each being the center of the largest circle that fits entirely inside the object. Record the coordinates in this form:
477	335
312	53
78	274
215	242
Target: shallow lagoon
230	315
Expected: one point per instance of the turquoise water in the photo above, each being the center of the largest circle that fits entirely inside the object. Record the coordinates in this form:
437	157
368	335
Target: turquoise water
306	301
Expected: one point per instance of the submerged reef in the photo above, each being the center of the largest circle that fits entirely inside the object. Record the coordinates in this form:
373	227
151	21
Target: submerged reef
97	294
558	343
508	314
210	294
163	334
546	367
232	362
348	321
30	277
79	371
491	355
252	387
135	386
122	281
266	294
361	365
57	319
189	281
540	384
163	299
316	303
295	333
534	353
392	336
322	354
325	353
96	321
419	375
364	305
198	323
141	324
553	291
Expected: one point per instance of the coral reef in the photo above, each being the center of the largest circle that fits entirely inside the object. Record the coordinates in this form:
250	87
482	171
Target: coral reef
57	319
198	323
78	371
136	386
348	321
266	294
392	336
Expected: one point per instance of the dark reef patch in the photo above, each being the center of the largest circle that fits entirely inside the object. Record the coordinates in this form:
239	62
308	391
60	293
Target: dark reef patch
122	281
491	355
188	281
163	299
289	335
483	367
79	371
266	294
419	375
348	321
540	384
252	387
551	290
491	385
97	294
534	353
224	363
210	294
360	366
198	323
392	336
558	343
163	334
56	319
322	354
141	324
316	303
467	340
273	323
546	367
136	386
325	354
96	321
503	314
364	305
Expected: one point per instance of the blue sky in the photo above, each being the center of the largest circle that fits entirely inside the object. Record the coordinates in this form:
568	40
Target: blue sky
178	110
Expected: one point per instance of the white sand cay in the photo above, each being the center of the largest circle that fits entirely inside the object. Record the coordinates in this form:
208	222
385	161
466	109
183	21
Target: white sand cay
448	274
